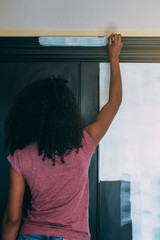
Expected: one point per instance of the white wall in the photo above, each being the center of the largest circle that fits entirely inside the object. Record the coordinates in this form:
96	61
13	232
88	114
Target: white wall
80	14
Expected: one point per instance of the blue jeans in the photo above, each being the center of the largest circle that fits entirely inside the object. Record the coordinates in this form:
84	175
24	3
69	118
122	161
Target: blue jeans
37	237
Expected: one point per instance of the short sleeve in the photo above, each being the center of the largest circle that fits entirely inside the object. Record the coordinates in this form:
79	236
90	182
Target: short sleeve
15	161
88	144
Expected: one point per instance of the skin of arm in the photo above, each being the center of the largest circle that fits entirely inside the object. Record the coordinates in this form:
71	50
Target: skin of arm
99	127
13	214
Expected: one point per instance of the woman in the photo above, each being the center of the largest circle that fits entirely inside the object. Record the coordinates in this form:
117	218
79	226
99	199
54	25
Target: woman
44	128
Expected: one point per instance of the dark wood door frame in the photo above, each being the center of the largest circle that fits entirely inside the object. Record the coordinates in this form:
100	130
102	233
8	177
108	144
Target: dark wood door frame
135	49
27	49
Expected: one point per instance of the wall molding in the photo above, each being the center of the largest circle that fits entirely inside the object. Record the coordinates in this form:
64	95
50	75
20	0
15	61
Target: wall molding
78	32
27	49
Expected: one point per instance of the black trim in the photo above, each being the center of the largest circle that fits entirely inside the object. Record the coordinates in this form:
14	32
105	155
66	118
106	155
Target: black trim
28	49
79	86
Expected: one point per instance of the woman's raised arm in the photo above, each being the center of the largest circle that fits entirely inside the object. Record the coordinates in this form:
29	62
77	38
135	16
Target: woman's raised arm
99	127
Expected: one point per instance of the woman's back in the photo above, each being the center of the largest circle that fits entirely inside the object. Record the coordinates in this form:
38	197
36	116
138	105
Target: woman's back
60	193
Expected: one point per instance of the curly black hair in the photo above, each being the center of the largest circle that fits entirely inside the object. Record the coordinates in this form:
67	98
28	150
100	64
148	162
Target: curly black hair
46	112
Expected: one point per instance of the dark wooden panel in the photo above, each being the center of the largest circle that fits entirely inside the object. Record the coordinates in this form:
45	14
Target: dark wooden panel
89	110
114	220
135	49
14	76
83	80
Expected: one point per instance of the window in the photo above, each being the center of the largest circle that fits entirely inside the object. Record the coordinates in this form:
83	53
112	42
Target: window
130	151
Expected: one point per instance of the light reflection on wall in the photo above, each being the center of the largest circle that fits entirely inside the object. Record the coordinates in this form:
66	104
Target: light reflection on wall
130	150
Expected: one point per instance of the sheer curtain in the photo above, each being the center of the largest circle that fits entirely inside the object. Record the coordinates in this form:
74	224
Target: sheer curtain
130	150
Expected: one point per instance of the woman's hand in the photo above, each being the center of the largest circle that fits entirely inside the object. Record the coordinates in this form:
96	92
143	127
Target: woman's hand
114	45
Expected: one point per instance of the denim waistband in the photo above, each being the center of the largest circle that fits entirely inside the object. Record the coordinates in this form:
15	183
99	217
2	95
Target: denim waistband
38	237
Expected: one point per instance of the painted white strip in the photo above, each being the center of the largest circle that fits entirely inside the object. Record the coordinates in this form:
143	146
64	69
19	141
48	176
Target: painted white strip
73	41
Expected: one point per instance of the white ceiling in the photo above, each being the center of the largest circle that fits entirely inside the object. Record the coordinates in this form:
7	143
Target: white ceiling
80	14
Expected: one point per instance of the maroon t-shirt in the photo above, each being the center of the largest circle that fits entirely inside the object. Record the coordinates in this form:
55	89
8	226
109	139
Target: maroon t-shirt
60	193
